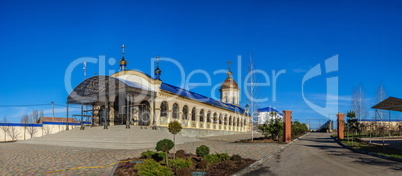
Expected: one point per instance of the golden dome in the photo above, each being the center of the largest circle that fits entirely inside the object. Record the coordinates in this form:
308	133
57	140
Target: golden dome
123	61
229	83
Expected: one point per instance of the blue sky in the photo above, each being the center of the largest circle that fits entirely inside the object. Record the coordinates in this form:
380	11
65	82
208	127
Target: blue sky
39	39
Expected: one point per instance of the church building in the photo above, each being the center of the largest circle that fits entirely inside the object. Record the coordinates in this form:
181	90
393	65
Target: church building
130	97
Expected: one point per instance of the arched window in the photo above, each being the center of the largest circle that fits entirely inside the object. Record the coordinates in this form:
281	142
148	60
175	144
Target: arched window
185	113
202	115
175	111
164	109
209	117
144	114
226	100
215	118
220	118
238	122
234	100
244	123
193	114
225	121
230	120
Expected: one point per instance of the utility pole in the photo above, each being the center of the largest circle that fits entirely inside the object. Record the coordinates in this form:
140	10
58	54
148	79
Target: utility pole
53	109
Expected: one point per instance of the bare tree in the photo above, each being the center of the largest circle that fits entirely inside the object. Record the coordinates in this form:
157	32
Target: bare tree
359	103
5	128
381	95
25	121
32	130
41	114
252	93
13	133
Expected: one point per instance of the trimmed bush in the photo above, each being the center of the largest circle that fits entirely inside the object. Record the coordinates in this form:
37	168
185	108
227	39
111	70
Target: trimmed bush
147	154
235	158
164	145
151	168
211	158
222	156
181	154
202	151
183	172
179	163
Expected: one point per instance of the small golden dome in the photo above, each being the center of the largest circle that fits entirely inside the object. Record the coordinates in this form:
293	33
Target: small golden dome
229	83
123	61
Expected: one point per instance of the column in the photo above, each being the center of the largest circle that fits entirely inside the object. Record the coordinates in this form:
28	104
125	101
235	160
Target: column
341	125
287	126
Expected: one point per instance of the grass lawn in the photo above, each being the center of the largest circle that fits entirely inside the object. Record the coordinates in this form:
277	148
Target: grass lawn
361	145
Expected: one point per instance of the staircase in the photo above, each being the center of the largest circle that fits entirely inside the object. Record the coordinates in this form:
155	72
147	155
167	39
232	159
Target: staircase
116	137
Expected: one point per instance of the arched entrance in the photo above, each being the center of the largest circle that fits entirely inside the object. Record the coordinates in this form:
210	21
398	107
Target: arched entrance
144	114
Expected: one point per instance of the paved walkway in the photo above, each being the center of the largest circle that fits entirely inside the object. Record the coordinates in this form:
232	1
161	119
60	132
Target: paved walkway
38	159
318	154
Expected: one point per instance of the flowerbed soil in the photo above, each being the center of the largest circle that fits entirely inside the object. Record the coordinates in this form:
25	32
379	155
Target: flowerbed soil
227	167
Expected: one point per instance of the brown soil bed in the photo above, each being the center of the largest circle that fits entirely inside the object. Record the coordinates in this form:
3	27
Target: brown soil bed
224	168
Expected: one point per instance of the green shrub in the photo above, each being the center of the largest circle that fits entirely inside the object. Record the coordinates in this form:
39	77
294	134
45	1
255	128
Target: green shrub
159	156
147	154
202	151
164	145
223	156
180	163
181	154
211	158
183	172
236	158
151	168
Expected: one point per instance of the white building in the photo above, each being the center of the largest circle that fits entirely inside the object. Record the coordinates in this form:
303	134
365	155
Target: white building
268	113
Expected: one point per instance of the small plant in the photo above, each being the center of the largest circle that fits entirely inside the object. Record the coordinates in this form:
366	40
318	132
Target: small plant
174	128
183	172
179	163
222	156
181	154
147	154
165	145
211	158
151	168
235	157
202	151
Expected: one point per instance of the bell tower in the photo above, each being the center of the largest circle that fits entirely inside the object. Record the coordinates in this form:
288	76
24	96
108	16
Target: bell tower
229	90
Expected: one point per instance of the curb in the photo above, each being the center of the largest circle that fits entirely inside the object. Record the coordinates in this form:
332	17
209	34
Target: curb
366	152
114	169
258	163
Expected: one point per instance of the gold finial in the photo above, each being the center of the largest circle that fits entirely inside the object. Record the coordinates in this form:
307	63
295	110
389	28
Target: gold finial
122	49
229	62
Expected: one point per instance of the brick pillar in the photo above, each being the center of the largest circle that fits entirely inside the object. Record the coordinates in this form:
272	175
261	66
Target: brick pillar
341	126
287	133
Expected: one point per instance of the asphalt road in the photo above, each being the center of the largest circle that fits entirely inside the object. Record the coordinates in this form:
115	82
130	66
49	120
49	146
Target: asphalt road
319	154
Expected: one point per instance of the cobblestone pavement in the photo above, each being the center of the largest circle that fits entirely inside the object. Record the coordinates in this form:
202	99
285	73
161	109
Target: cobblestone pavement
35	159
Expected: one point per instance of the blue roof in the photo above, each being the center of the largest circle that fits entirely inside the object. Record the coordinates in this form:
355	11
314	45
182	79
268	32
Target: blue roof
269	109
199	97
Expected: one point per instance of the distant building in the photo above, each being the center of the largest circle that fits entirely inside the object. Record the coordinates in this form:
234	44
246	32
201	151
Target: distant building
268	113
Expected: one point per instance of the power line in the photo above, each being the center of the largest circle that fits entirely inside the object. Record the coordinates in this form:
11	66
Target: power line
24	105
